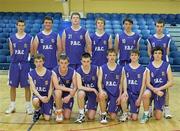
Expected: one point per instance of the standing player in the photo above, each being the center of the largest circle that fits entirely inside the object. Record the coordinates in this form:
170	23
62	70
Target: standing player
87	76
159	78
20	46
162	40
110	84
40	80
126	41
66	76
48	43
76	41
101	42
134	84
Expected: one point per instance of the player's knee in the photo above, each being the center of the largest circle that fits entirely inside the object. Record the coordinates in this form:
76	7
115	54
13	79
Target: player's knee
113	116
134	117
102	96
46	117
81	94
67	116
146	96
158	115
36	102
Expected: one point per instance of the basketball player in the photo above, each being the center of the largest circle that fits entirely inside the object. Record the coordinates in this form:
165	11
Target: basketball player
101	42
159	78
48	43
110	84
133	87
87	76
162	40
40	80
126	41
76	41
20	45
66	77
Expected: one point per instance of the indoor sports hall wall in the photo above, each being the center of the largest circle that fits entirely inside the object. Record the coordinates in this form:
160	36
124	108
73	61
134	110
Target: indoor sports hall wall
116	6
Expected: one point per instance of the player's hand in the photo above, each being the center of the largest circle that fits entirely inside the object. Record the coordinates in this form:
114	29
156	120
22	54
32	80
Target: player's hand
138	102
66	99
44	99
125	95
118	101
95	91
160	93
72	92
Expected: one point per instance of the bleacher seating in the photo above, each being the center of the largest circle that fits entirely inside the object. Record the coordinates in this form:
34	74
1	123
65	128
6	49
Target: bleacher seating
143	24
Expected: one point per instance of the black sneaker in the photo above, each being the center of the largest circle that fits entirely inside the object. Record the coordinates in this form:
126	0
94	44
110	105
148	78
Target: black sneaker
80	119
36	116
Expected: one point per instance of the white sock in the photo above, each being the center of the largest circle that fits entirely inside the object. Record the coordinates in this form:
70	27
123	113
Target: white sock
13	103
146	112
103	113
81	111
28	103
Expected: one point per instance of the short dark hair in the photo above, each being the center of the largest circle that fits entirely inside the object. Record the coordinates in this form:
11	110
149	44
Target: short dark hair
76	13
39	56
63	57
20	21
157	48
101	19
86	55
112	50
128	20
48	18
136	51
160	22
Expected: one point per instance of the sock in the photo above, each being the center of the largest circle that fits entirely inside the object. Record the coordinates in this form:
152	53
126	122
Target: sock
13	103
28	103
103	113
81	111
146	112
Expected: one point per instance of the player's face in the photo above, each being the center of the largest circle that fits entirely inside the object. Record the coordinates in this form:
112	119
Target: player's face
157	55
100	25
134	57
63	64
111	57
20	26
127	26
86	62
39	63
75	20
159	28
48	24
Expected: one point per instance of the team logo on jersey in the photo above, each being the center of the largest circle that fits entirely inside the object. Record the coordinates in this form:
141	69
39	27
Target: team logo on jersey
25	45
81	37
117	77
134	42
67	81
123	41
41	41
14	44
69	36
139	76
34	82
94	42
46	82
93	78
127	75
152	74
52	40
163	73
105	42
153	44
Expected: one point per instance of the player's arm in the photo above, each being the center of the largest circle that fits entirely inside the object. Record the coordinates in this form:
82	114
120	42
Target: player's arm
138	43
59	45
31	47
168	47
110	45
50	89
149	49
57	85
148	84
88	43
33	88
74	82
35	45
143	85
10	47
64	42
80	86
116	44
170	79
100	75
124	81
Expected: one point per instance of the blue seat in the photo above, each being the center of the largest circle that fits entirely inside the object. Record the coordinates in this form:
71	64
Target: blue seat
117	31
3	59
5	46
171	60
144	60
90	16
1	46
175	54
4	52
7	30
176	61
3	40
143	53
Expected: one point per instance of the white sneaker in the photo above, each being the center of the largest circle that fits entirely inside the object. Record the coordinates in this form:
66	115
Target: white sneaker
150	112
123	117
103	119
59	116
29	109
11	109
167	113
